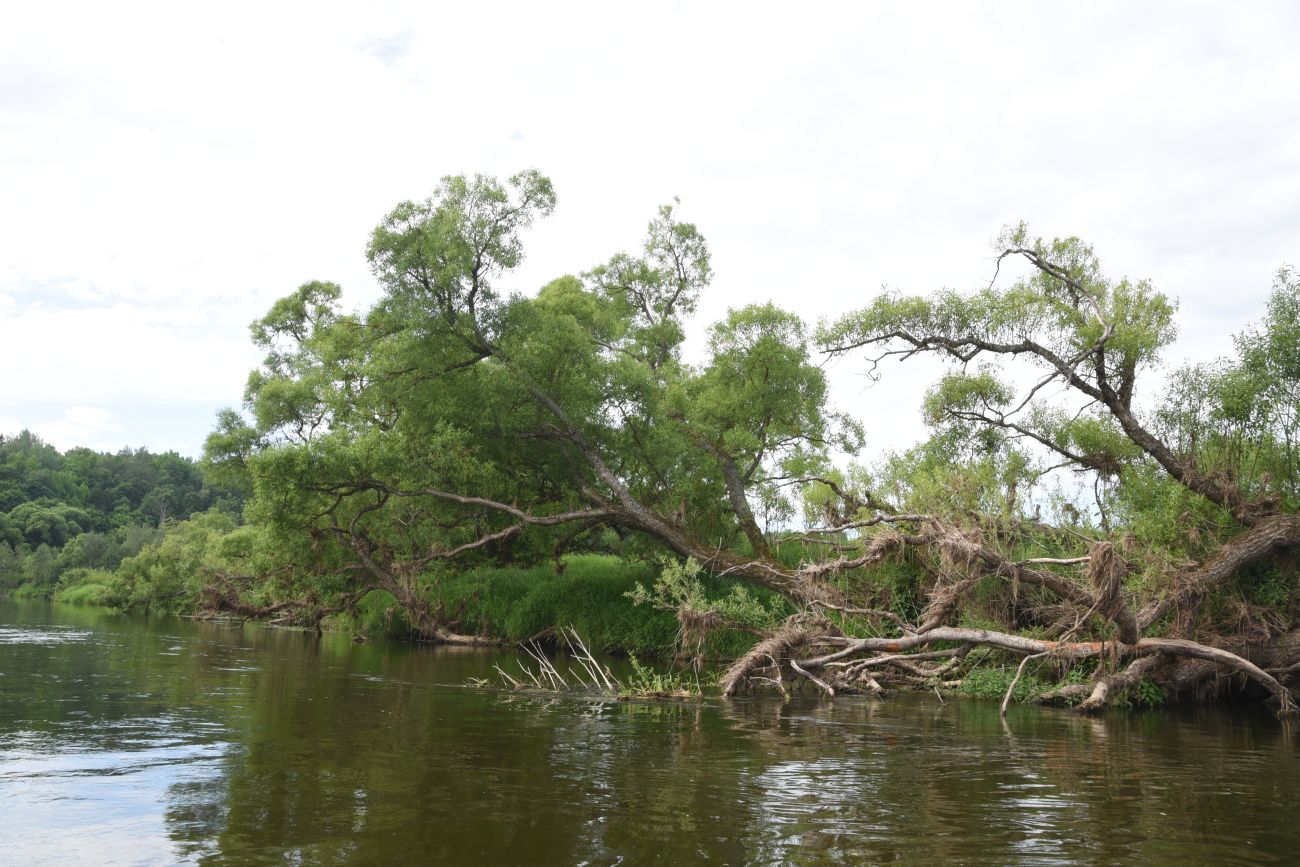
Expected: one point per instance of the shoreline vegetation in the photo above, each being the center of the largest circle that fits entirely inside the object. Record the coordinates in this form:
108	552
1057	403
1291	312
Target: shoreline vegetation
1084	524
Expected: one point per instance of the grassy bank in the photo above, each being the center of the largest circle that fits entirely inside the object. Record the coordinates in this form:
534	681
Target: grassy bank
592	595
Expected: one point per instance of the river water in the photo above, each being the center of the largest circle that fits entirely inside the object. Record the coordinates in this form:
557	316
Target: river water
133	741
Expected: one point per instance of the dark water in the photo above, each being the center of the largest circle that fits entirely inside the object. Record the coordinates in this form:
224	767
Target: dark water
124	741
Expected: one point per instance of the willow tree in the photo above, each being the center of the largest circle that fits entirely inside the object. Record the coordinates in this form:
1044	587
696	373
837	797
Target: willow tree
455	421
1191	500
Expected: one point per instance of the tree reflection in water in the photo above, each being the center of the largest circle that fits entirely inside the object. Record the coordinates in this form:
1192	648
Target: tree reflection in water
169	740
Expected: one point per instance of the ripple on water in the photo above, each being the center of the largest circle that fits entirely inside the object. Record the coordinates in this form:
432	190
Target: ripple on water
44	635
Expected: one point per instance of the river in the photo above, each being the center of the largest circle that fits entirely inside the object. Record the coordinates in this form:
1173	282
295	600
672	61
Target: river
126	740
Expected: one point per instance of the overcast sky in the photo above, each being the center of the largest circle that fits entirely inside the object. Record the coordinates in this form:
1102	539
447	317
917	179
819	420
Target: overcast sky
166	174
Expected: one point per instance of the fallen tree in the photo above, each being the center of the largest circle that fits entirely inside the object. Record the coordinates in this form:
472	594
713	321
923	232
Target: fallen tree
1224	450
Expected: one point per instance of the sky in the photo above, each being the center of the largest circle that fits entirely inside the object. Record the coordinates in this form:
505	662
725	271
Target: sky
168	170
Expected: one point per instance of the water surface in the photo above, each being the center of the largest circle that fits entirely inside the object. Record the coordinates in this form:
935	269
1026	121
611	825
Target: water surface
133	741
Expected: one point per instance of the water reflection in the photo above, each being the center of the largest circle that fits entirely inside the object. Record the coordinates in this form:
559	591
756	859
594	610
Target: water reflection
156	742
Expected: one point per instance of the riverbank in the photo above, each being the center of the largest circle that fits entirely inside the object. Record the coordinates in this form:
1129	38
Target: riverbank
591	593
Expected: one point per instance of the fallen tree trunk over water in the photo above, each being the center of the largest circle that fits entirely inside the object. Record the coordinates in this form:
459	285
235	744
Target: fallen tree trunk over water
767	655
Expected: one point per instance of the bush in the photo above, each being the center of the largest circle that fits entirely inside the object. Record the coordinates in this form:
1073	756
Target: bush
992	683
645	682
86	587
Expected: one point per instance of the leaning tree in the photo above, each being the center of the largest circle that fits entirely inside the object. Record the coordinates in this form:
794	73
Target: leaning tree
1192	504
454	421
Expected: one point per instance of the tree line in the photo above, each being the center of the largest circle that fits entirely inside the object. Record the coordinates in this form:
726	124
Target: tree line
87	510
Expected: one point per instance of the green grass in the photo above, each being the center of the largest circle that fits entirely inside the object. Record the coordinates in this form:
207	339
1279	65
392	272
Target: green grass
515	604
518	603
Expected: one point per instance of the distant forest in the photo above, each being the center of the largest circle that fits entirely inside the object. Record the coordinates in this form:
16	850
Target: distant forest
82	509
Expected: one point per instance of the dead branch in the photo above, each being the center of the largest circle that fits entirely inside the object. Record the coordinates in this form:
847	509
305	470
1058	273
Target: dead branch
867	612
1068	650
1020	671
799	670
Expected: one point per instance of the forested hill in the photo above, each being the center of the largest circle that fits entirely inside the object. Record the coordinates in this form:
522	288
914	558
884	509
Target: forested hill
88	509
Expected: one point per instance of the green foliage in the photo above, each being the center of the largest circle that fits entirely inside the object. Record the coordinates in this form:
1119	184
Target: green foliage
86	510
646	682
458	443
594	595
51	497
1149	693
169	575
82	586
377	614
1077	674
449	387
519	603
954	473
991	682
1240	416
31	591
680	589
11	566
1164	515
962	392
40	568
1061	318
46	522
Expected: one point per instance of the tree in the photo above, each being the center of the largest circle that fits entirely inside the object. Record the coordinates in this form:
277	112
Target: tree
39	568
1093	337
85	506
11	566
454	421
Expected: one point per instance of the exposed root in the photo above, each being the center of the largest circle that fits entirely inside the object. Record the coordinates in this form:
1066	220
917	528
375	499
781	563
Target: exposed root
884	542
1092	697
958	550
693	628
767	659
1251	623
1264	539
1129	678
944	599
1106	571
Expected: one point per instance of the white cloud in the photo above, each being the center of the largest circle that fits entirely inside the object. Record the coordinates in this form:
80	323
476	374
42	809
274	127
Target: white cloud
75	426
168	173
